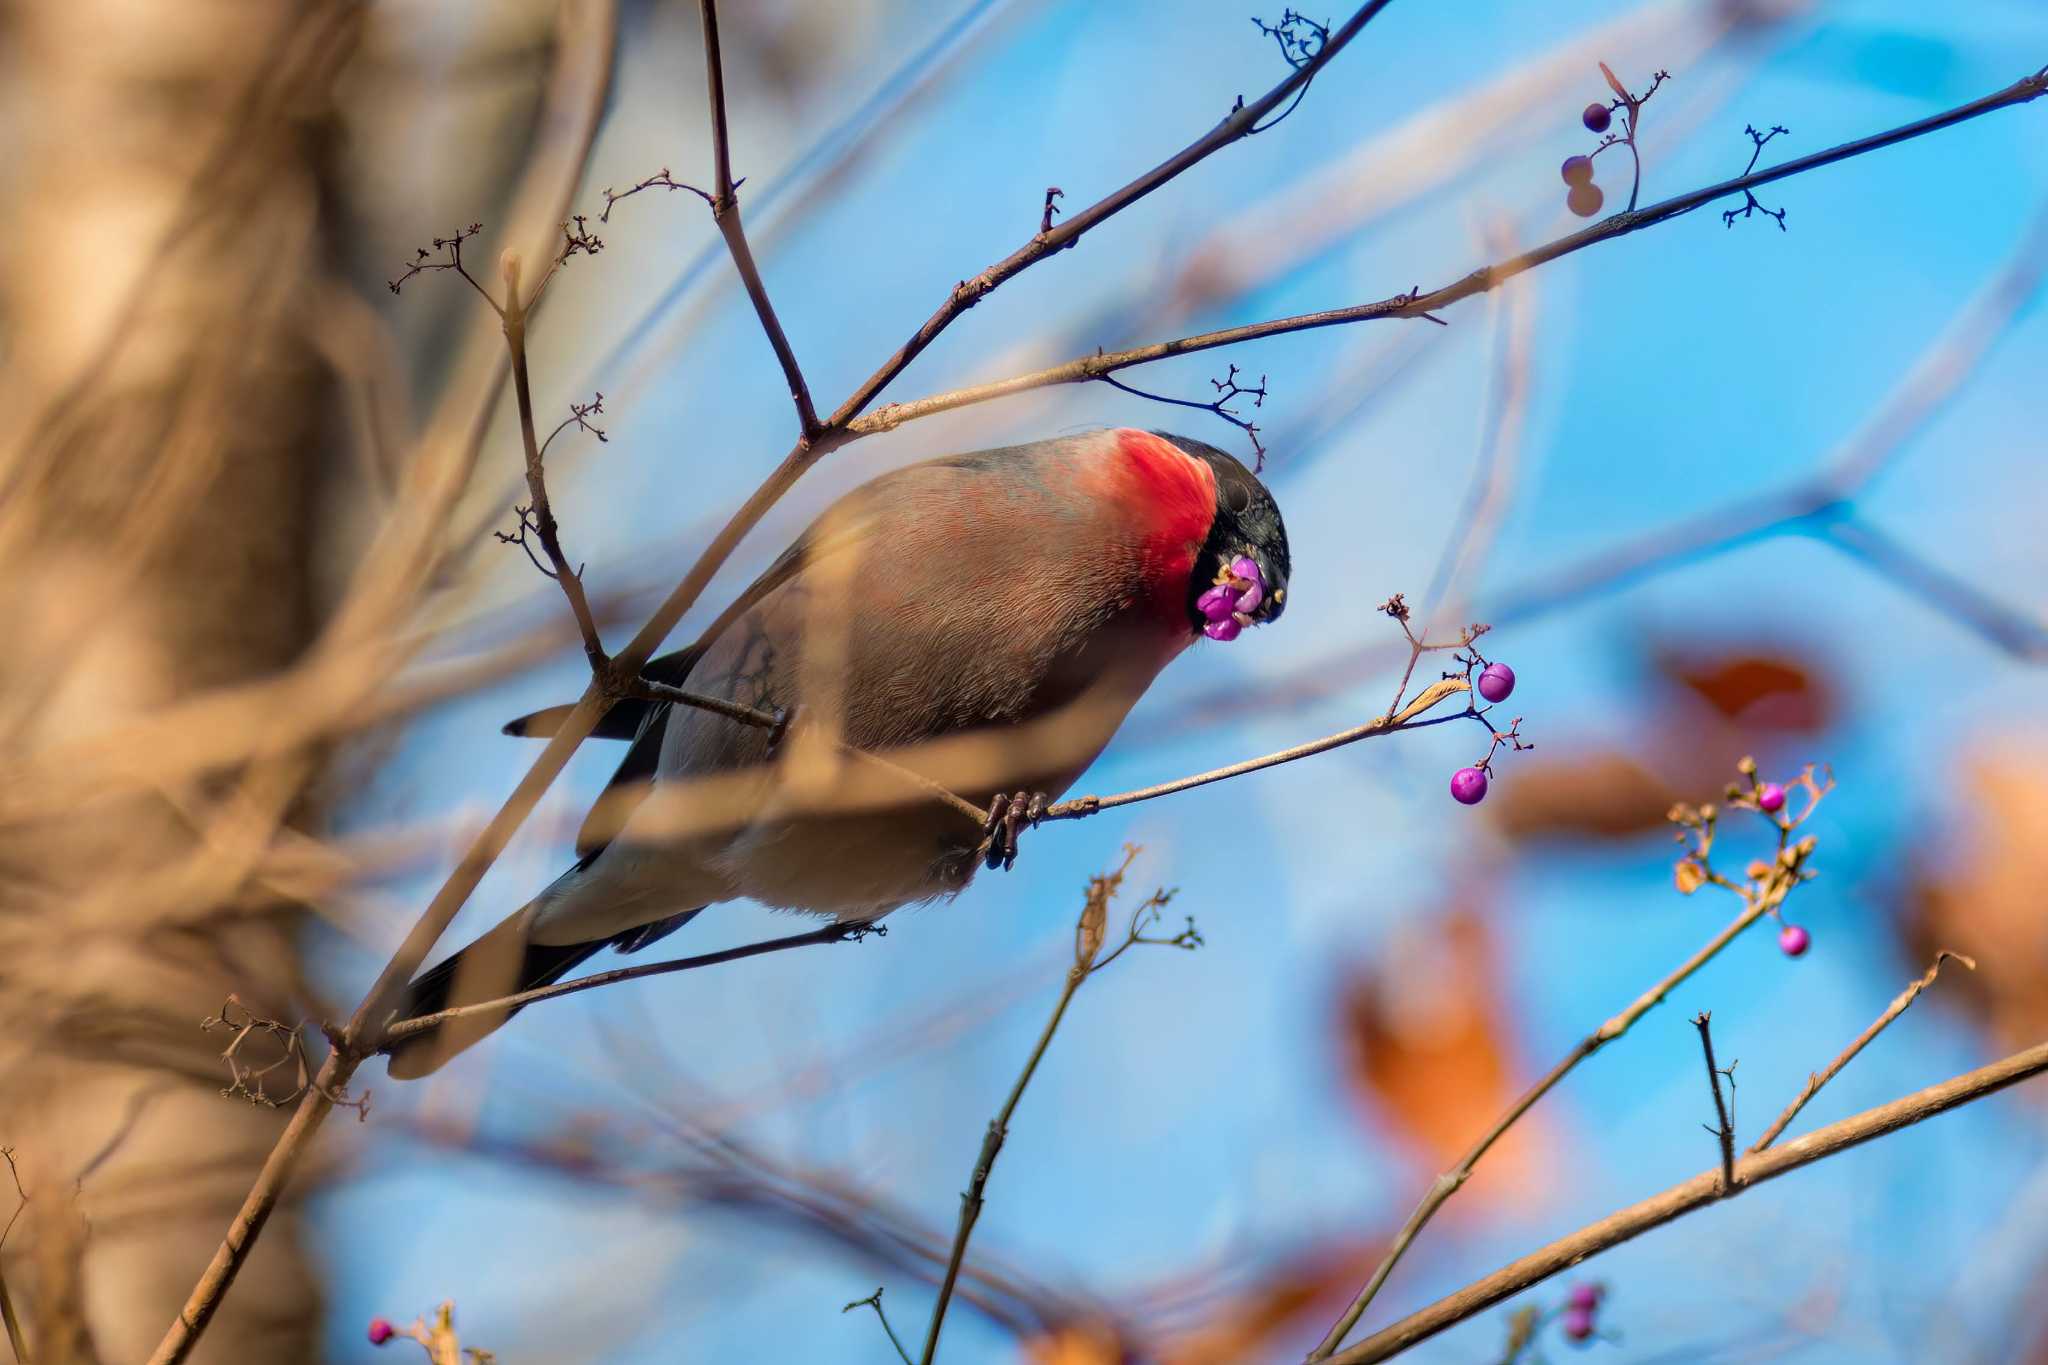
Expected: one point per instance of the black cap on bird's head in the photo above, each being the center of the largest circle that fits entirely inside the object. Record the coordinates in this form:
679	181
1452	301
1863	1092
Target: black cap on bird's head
1247	526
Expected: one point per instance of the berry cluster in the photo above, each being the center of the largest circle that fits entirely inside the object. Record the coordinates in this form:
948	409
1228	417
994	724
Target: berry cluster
1765	880
1582	196
1496	681
1234	602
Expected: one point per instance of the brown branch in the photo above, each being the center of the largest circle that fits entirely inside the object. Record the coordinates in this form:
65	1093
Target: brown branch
1088	938
1696	1193
540	514
1786	873
1240	123
1883	1021
1404	719
1724	1128
1417	304
725	211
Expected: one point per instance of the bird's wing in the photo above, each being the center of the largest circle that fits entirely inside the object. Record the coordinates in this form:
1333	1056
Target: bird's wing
635	775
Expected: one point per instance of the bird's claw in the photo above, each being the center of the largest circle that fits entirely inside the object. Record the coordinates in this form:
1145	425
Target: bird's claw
1008	817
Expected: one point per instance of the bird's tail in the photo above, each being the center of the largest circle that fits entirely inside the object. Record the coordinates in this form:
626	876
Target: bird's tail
503	962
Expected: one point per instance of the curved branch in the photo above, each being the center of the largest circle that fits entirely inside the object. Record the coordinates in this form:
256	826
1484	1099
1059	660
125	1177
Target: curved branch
1696	1193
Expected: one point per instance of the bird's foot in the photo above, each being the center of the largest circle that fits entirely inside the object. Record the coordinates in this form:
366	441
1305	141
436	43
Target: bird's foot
1008	818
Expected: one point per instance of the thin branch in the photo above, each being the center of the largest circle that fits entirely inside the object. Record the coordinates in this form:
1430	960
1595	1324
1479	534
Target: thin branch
1089	933
725	211
874	1301
1696	1193
1863	1039
540	515
1405	719
835	932
15	1337
1724	1129
1228	391
1415	303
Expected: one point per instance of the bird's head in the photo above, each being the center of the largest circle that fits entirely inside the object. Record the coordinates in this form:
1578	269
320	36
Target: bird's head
1240	573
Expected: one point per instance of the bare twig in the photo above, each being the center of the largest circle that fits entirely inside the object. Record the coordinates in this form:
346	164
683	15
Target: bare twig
1087	946
1696	1193
1863	1039
1724	1129
1416	303
15	1337
725	211
874	1301
1228	391
539	515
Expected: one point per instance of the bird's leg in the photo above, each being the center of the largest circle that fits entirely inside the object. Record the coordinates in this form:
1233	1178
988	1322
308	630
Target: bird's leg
1008	818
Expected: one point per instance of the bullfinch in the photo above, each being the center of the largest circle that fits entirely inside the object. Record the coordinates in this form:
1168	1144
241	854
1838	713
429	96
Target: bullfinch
979	623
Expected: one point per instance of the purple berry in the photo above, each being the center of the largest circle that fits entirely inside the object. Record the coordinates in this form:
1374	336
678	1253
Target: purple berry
1597	117
1577	170
1496	681
1226	629
1218	603
1793	940
1771	799
381	1331
1585	1297
1468	786
1585	200
1245	567
1578	1323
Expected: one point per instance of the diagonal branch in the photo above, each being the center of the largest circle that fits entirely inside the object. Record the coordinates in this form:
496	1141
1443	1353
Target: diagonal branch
725	211
1696	1193
1418	304
1883	1021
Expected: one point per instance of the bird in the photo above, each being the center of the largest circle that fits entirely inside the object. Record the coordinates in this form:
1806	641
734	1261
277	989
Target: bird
981	623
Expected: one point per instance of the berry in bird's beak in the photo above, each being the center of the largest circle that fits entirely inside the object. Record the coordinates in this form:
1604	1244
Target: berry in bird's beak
1234	602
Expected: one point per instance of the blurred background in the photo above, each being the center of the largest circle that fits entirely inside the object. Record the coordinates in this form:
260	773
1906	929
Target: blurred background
1718	489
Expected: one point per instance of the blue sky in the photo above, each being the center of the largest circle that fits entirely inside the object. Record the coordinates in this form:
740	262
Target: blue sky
1192	1106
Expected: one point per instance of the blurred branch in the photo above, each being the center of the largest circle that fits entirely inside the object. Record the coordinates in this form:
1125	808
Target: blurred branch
1417	304
725	211
1500	440
1696	1193
1760	898
1863	1039
397	564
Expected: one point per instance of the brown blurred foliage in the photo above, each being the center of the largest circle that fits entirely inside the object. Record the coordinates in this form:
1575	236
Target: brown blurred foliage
1428	1041
1979	891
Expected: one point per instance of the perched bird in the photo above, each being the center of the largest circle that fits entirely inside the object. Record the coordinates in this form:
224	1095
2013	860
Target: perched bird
981	622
